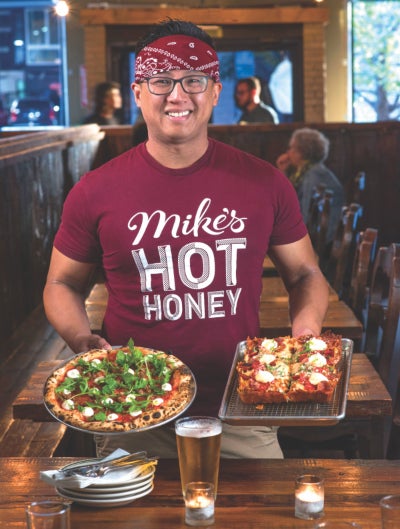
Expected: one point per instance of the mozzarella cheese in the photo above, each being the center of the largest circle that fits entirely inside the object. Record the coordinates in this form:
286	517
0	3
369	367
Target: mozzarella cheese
316	344
269	344
267	359
158	401
96	361
130	398
107	400
317	360
135	413
112	417
166	387
264	377
88	412
73	373
68	405
316	378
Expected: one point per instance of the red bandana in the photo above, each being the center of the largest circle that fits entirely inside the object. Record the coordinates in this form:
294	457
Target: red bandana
176	52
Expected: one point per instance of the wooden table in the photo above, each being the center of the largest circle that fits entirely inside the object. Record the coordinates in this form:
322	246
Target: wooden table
269	267
274	314
275	321
273	289
252	494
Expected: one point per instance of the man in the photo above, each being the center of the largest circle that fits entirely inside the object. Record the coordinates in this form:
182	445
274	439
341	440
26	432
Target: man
180	225
247	98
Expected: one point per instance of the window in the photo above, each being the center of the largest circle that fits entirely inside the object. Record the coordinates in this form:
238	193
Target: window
33	67
42	36
266	66
376	60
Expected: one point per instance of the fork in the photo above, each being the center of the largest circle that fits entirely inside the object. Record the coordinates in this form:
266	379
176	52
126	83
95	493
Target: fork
100	469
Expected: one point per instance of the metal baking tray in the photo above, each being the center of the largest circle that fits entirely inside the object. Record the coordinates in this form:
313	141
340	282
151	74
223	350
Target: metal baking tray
234	411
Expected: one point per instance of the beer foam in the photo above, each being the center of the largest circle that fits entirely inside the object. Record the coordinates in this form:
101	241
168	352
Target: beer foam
198	428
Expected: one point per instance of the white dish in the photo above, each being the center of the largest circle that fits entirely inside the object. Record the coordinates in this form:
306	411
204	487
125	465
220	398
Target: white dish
114	502
126	483
115	477
117	487
109	493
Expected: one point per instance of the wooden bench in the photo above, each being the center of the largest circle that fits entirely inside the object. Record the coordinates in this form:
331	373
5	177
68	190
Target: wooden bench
33	341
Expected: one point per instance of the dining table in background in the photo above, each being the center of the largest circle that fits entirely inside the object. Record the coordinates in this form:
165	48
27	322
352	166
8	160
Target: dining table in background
269	269
273	313
252	493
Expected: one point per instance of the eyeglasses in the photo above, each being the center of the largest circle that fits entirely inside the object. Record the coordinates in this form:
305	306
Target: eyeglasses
191	84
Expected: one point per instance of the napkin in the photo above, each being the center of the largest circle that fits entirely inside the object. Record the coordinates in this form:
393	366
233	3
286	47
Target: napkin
120	475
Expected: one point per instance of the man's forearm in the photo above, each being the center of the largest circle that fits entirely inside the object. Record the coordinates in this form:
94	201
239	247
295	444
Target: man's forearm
308	303
65	310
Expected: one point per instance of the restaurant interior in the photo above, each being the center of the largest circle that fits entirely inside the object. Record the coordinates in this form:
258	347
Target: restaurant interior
354	445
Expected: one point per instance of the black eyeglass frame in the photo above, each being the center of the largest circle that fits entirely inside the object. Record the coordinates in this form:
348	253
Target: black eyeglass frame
175	81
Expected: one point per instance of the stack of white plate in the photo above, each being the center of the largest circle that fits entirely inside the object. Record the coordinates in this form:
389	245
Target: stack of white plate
109	492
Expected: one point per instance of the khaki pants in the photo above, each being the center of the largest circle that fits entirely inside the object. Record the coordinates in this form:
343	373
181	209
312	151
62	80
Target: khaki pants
240	442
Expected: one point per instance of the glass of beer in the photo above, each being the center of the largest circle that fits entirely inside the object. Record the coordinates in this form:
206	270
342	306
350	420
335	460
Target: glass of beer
198	441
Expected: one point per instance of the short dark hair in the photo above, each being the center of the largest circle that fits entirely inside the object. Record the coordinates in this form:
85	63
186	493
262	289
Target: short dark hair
171	26
101	91
253	83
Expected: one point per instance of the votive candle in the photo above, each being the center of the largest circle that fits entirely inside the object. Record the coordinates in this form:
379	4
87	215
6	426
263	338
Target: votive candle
199	503
309	497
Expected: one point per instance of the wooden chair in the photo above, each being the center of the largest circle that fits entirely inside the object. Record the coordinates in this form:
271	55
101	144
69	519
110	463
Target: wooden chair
388	360
318	221
358	187
377	297
338	268
364	256
393	370
352	437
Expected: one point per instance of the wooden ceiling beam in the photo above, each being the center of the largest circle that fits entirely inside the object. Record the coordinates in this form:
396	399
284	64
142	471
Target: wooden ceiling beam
223	16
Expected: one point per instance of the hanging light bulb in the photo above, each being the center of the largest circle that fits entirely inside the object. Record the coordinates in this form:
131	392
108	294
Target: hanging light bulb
61	8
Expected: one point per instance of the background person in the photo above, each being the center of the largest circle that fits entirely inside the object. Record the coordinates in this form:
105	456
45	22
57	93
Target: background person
247	98
180	225
303	163
107	105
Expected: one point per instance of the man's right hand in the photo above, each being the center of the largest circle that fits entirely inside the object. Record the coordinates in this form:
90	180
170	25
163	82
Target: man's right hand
86	342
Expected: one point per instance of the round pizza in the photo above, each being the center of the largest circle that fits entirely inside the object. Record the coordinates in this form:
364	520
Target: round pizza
119	390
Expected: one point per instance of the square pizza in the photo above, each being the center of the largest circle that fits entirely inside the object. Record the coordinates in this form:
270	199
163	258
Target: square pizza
287	369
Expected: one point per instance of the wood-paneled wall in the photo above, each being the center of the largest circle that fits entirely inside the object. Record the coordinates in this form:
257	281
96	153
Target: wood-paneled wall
370	147
37	170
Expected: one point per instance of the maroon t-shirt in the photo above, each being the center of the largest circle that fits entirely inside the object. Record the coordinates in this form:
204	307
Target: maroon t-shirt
182	251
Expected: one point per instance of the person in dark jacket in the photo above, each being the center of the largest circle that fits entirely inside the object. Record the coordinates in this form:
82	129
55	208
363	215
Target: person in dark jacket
303	163
107	105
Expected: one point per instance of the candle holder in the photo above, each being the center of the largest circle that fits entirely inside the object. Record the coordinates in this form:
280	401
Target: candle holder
309	497
199	503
